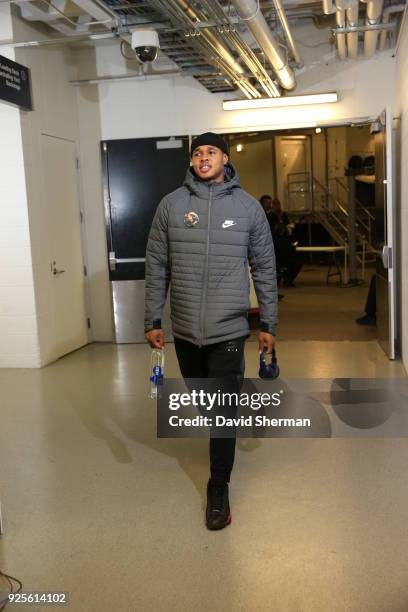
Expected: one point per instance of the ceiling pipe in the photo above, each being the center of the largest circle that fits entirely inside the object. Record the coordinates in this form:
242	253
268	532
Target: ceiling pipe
329	7
249	11
234	69
352	38
401	31
56	41
387	12
288	34
245	52
124	77
341	38
212	39
374	9
254	64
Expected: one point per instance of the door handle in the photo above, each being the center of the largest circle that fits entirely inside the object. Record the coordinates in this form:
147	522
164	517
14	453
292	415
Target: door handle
386	257
113	261
54	269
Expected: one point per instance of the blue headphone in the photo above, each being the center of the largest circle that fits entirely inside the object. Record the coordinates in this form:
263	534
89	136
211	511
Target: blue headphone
268	370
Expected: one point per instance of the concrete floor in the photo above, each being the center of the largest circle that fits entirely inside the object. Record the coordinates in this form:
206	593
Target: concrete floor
94	504
313	311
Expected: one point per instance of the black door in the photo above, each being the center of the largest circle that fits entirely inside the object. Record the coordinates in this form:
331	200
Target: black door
137	174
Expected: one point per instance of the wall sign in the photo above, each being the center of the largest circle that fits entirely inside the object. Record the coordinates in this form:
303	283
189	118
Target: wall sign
15	85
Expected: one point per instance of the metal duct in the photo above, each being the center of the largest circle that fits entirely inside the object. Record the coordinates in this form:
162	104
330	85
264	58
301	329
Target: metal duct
341	38
329	7
218	47
212	39
396	8
374	9
352	37
245	52
288	34
249	11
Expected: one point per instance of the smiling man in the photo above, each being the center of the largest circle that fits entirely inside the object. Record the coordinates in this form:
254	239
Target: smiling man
202	238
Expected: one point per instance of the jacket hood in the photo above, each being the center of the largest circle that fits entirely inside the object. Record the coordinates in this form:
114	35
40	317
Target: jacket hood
201	188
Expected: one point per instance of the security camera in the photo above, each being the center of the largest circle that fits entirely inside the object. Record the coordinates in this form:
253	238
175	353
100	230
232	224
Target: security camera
145	43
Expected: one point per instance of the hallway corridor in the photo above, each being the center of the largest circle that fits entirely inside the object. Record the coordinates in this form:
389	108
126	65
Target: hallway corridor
96	505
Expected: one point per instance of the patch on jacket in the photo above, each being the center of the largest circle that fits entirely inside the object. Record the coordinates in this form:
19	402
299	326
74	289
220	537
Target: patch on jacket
191	219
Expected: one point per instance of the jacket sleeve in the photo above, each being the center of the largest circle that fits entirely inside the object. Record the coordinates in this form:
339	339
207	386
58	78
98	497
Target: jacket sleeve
261	256
157	268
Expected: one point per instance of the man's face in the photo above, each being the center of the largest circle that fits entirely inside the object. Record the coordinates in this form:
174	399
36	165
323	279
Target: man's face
267	203
208	163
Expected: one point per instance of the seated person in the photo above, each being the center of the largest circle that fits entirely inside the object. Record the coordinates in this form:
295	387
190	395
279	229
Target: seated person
288	264
273	206
281	214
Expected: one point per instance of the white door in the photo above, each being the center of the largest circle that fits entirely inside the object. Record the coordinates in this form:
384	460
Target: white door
385	233
65	249
293	172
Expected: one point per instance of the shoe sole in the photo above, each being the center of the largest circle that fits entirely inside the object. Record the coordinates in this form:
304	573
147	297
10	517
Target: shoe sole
228	522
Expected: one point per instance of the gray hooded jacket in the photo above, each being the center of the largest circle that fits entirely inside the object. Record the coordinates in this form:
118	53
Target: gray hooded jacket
204	256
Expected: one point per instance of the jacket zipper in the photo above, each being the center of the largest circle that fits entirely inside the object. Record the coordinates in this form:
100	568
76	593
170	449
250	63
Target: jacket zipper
205	280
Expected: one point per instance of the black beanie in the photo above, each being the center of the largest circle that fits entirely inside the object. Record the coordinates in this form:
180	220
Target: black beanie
209	138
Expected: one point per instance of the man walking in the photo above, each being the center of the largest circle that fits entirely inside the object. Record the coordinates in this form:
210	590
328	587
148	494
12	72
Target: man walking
202	238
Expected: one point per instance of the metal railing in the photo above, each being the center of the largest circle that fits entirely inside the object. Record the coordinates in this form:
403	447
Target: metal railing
328	205
334	217
364	216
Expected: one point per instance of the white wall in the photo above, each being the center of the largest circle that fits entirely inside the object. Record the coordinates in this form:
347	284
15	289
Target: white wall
55	114
177	105
180	105
401	109
90	135
18	326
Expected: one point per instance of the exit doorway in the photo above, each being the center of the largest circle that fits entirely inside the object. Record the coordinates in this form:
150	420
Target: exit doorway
306	170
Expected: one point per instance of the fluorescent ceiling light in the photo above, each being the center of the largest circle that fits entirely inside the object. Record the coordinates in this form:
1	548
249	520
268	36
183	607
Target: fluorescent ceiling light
286	101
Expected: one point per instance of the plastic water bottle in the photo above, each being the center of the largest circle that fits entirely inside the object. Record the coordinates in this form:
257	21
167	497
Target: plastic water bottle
157	372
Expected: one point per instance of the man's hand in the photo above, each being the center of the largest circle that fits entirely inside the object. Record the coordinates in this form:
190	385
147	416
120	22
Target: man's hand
155	338
266	339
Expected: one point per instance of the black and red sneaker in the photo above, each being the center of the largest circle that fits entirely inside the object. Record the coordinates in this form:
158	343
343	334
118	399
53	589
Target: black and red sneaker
218	513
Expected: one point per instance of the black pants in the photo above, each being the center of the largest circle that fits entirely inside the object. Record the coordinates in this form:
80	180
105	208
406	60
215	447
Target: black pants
291	269
220	360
